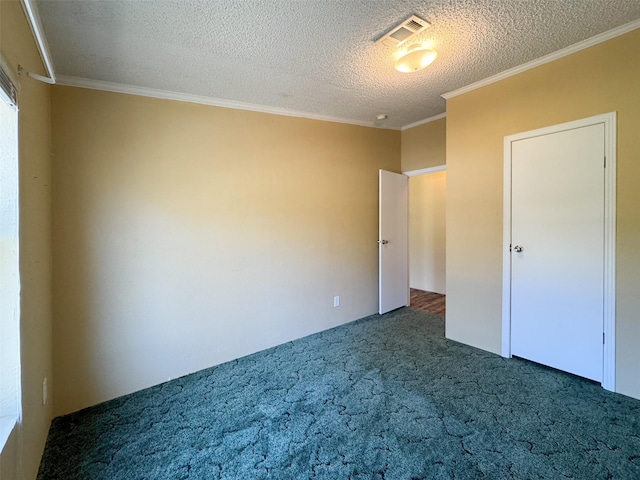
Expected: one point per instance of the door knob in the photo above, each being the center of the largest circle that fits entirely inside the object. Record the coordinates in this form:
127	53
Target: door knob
518	248
383	242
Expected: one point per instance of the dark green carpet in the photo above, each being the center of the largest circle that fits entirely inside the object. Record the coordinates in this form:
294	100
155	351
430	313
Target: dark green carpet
381	398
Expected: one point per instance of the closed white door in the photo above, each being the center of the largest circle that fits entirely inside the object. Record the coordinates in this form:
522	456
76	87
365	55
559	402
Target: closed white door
393	241
557	257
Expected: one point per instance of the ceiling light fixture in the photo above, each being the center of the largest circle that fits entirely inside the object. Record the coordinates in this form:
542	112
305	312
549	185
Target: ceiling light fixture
416	58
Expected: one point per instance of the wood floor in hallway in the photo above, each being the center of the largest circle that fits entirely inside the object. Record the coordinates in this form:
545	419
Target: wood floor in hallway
428	301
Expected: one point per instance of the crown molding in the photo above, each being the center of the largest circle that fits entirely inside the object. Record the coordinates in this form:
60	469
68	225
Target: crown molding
33	16
590	42
216	102
426	120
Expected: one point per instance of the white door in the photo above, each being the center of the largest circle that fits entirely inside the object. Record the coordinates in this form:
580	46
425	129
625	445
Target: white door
557	257
393	241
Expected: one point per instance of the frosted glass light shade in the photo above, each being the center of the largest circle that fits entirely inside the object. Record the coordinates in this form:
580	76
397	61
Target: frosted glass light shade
416	58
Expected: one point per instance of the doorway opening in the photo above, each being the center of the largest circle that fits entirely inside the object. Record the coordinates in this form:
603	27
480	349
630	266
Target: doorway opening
427	239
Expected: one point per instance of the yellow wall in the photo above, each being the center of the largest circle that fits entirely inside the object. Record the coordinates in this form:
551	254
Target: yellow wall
427	239
21	457
188	235
424	146
597	80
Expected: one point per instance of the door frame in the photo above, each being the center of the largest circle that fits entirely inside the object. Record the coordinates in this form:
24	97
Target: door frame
409	173
425	171
417	173
609	293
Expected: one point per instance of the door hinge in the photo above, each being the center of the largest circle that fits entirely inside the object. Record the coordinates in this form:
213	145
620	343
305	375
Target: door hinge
603	338
605	162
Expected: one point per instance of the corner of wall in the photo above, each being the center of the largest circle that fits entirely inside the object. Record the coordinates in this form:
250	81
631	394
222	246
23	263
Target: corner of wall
424	146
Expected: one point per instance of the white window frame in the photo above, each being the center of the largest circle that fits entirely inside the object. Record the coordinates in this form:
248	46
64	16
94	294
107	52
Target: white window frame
10	374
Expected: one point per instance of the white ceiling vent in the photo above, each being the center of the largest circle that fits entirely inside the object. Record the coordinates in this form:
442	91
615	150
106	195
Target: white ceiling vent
403	32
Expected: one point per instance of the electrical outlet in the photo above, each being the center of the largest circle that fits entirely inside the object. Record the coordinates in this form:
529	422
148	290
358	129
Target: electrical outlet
336	301
45	391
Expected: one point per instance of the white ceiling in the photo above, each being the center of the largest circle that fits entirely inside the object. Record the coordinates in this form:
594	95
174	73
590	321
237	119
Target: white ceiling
313	56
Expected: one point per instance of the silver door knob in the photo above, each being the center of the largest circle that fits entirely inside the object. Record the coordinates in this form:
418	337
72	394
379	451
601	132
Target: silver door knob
383	242
518	248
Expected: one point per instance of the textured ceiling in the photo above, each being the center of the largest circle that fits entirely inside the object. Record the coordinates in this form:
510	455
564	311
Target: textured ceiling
315	56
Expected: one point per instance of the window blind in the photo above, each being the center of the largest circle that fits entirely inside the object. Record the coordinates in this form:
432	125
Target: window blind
8	90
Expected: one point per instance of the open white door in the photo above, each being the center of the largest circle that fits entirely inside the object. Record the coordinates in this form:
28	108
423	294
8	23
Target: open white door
393	241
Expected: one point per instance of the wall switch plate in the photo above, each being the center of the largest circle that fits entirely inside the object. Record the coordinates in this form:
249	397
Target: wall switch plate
336	301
